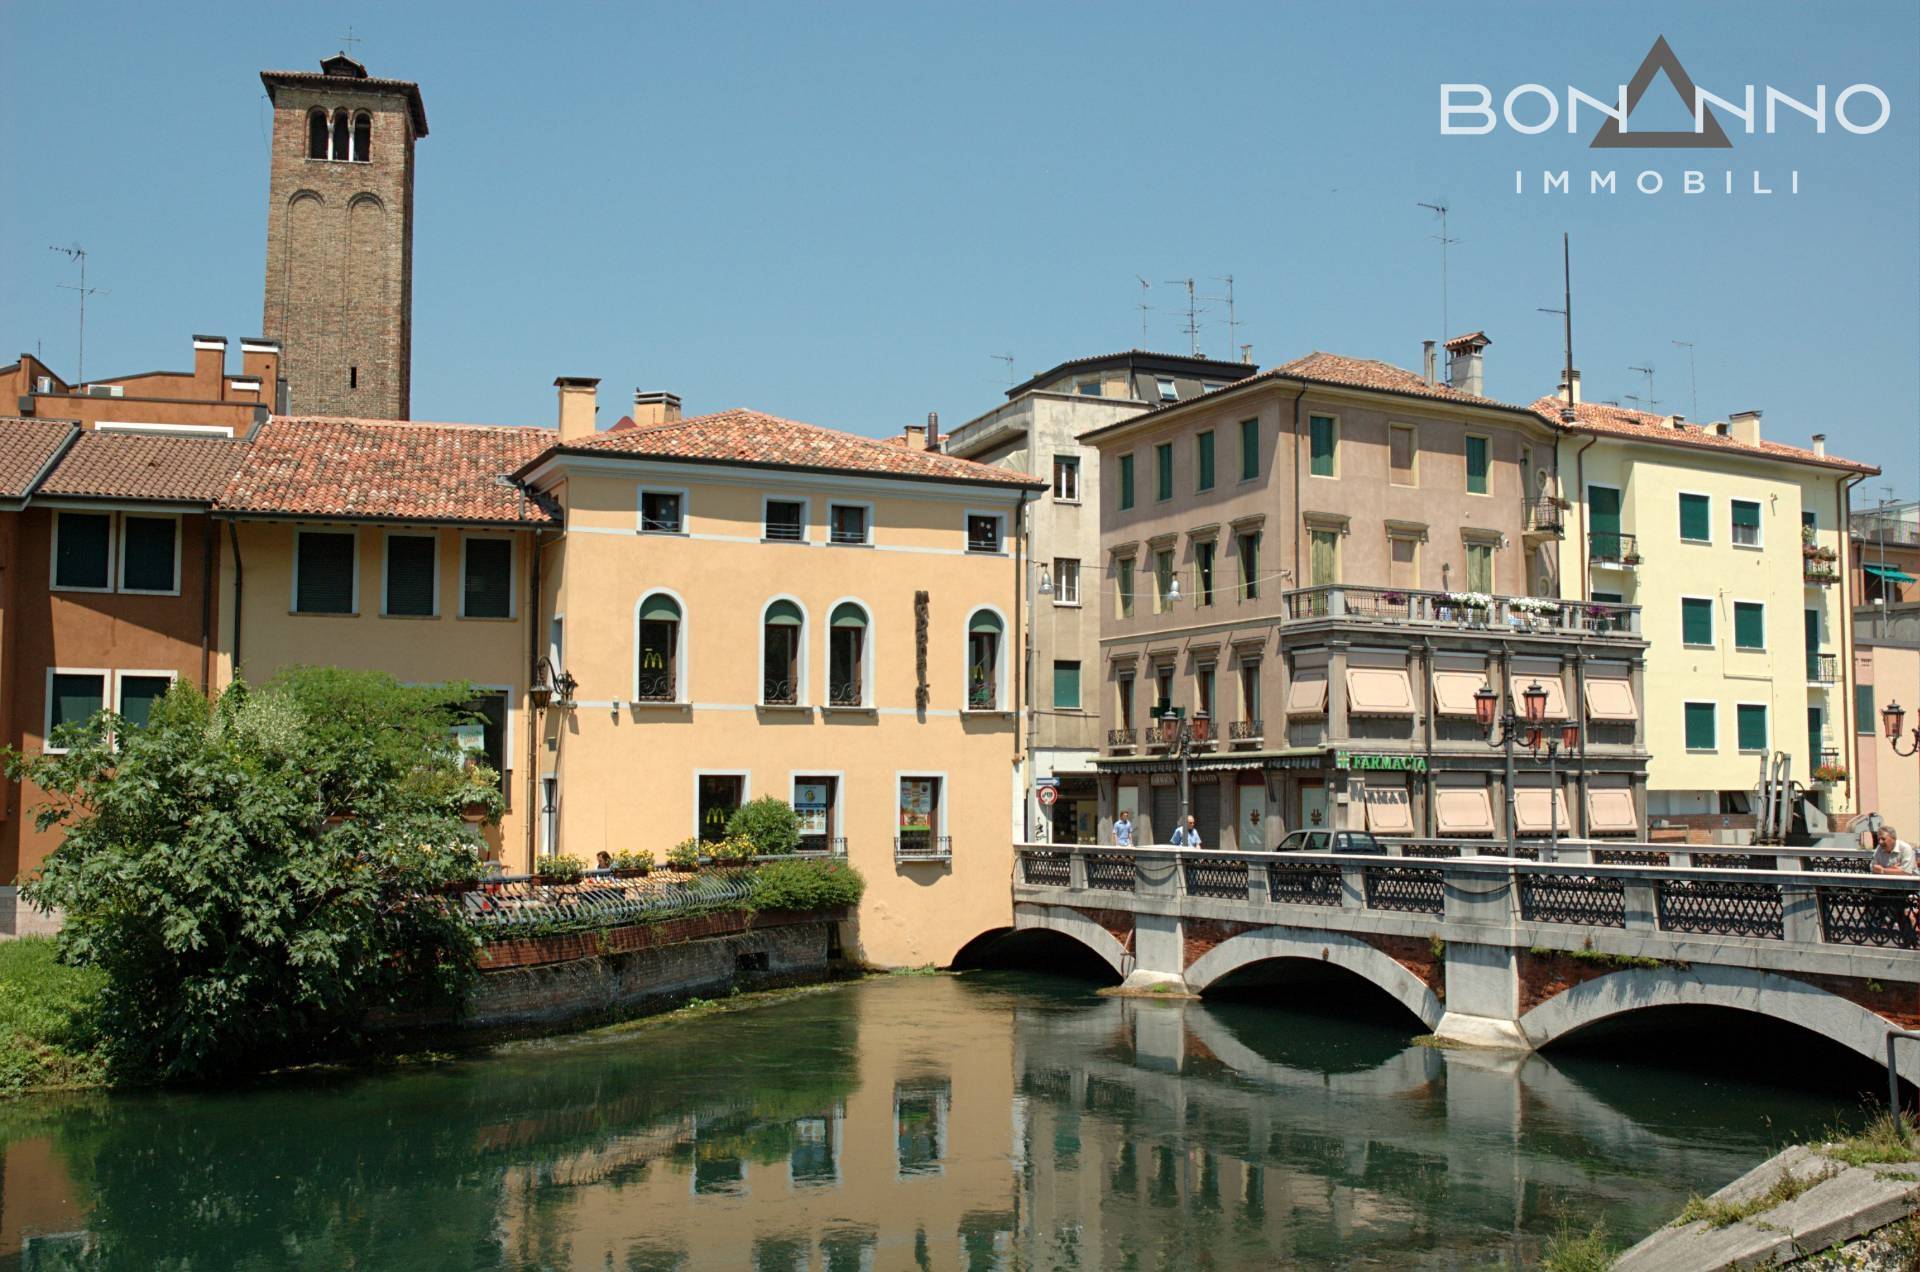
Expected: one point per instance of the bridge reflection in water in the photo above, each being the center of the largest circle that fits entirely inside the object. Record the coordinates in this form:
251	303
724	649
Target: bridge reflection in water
990	1120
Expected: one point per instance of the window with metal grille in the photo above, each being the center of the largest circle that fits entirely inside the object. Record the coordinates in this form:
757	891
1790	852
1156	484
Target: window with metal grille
983	532
847	524
786	520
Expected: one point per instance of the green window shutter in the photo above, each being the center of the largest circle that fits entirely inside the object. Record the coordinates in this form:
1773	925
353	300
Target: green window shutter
1863	721
659	608
1696	518
1753	727
1066	686
1749	625
410	574
1321	442
1700	726
1746	521
1126	482
138	694
1477	465
1696	621
986	621
324	584
1124	576
783	614
488	587
1249	449
1480	567
80	559
76	696
147	565
1163	470
1205	458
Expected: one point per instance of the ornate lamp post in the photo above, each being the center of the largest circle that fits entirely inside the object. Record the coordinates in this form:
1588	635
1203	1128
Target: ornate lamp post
1892	717
1532	731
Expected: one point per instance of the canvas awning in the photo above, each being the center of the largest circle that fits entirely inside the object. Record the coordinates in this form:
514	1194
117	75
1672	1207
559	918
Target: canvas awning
1389	810
1379	691
1307	694
1453	690
1610	698
1891	573
1463	810
1610	811
1535	814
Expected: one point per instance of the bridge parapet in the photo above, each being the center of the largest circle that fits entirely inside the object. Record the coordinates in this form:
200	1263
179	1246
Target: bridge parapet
1493	937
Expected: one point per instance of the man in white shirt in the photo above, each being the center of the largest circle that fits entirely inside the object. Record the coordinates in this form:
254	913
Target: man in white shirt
1892	854
1123	829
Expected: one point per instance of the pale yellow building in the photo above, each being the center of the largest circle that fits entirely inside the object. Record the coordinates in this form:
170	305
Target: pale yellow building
1735	550
752	606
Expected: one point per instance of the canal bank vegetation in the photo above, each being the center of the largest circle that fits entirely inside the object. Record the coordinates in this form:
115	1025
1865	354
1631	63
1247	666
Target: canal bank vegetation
48	1020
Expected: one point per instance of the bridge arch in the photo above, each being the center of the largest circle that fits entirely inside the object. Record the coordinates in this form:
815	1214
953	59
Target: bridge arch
1077	927
1797	1002
1333	949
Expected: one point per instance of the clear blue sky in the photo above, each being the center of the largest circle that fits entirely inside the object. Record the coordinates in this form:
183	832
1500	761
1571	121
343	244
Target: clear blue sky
840	212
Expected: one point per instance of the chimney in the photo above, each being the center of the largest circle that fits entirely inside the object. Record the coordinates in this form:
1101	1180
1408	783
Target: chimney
1576	386
1466	362
209	364
260	360
1427	370
578	405
1676	420
1744	427
933	430
916	436
1820	444
655	407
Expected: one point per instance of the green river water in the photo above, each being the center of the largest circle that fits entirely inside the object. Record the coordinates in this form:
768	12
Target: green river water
990	1120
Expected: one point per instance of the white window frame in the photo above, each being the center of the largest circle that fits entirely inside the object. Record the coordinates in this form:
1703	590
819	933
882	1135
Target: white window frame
802	698
999	671
117	552
1759	527
513	579
867	506
946	798
682	679
1680	526
746	790
508	756
293	598
549	814
1059	587
1713	611
806	517
386	541
1000	516
640	508
1073	462
120	677
1167	387
113	542
867	699
1703	702
1733	623
1766	746
46	703
839	806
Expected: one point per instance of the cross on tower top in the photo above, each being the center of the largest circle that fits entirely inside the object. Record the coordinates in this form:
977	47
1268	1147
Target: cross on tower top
349	40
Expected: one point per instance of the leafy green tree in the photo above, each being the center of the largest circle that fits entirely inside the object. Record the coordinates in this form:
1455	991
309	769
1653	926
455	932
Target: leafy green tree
256	873
769	823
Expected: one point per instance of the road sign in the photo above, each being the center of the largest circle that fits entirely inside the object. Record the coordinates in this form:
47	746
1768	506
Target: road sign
1048	794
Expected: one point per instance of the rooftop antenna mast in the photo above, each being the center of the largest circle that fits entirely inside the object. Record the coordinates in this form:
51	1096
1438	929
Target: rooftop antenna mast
1143	306
1193	315
79	253
1233	321
1650	400
1008	359
1566	312
1693	376
1446	325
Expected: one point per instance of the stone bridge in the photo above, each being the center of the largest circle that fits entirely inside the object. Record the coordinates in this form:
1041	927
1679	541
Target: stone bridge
1505	952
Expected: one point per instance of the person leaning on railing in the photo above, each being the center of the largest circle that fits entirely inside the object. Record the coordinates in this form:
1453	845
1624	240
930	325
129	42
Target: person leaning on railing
1891	854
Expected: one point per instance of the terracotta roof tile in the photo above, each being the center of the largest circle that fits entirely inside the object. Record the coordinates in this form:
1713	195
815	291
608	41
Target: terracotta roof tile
1618	421
742	436
388	469
148	466
1368	373
26	448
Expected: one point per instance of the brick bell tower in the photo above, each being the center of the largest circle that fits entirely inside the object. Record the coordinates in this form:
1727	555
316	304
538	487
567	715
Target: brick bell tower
339	286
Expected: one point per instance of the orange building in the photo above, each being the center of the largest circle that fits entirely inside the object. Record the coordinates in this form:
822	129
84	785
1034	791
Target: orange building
205	399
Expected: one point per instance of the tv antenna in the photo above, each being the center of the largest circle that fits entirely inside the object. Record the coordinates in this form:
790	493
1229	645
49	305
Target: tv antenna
1192	329
1233	321
347	42
1566	313
1441	210
79	253
1650	400
1143	306
1693	377
1008	359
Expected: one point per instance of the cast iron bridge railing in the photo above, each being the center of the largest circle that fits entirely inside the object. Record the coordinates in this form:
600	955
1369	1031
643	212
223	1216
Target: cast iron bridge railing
1764	895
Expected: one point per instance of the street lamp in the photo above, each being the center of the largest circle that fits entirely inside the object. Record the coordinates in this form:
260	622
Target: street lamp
1892	717
1181	737
1532	730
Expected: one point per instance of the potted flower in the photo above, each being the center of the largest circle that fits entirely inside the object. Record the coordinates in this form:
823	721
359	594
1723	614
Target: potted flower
1829	773
1470	600
734	850
684	856
632	865
560	869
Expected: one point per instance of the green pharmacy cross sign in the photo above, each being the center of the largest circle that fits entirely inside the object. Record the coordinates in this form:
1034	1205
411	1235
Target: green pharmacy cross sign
1387	763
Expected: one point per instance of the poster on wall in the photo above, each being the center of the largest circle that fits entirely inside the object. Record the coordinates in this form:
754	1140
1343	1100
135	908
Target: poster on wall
810	802
916	803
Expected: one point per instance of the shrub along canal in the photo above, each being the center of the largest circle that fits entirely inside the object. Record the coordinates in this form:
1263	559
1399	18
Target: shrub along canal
992	1119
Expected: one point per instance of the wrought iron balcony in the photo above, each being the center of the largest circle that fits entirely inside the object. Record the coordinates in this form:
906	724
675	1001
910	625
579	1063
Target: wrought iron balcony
1820	571
843	693
823	845
922	845
785	531
1823	669
1545	515
1117	738
1396	607
1246	730
782	691
1611	547
654	686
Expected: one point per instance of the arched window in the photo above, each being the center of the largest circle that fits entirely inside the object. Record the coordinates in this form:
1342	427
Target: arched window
847	656
782	630
316	133
657	678
342	134
362	137
984	632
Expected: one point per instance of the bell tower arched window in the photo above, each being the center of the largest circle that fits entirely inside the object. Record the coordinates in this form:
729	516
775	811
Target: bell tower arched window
316	133
342	133
362	137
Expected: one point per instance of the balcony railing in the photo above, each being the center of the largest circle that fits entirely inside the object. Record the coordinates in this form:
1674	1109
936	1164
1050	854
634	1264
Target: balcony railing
1460	609
785	531
1610	547
1545	516
981	697
1823	669
1246	730
1118	738
1818	572
823	845
843	693
781	691
921	845
654	686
